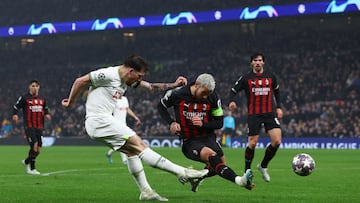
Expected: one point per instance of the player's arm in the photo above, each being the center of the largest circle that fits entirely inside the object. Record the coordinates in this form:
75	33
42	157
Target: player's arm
162	87
18	105
164	114
77	87
234	90
276	91
47	111
165	103
132	114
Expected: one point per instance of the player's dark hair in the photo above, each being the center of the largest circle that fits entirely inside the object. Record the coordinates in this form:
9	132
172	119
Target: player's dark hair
256	55
136	62
34	81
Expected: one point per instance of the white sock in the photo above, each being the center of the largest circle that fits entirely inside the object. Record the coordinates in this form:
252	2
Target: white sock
110	152
123	157
240	180
157	161
136	169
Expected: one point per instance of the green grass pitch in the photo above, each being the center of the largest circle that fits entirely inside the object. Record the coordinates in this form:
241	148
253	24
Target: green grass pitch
82	174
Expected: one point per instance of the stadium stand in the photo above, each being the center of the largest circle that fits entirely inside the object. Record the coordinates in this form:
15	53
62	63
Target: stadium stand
317	63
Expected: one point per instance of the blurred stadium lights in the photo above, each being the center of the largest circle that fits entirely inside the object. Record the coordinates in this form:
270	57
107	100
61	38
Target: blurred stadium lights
187	17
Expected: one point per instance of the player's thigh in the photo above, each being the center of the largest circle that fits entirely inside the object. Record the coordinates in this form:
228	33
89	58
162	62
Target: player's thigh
254	125
32	136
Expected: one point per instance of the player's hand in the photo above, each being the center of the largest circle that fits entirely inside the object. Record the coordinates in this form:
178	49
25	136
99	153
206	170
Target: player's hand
48	117
196	120
65	103
138	121
279	113
175	128
15	118
180	81
232	106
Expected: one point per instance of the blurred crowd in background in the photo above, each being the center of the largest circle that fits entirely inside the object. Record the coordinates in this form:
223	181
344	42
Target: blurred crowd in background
318	71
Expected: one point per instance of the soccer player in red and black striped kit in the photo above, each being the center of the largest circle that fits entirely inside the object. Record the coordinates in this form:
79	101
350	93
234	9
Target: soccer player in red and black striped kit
198	113
261	88
34	111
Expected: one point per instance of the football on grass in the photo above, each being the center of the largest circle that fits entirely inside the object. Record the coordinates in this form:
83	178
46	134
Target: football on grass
303	164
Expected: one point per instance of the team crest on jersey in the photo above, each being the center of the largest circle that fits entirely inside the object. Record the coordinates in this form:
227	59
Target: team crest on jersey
35	101
195	106
260	82
101	76
266	82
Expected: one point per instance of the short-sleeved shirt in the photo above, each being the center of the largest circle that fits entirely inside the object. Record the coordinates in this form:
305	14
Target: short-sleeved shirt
121	107
259	90
34	108
107	87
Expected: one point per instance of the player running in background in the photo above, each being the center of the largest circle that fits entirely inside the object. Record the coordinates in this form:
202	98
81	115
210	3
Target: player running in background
198	113
34	110
121	111
107	85
260	87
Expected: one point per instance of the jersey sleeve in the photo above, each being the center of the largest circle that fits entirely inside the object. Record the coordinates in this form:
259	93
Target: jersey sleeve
216	109
18	105
101	77
46	108
238	86
168	99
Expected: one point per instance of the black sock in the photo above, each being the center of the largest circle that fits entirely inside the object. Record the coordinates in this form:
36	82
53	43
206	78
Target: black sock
269	154
211	171
32	156
249	155
221	169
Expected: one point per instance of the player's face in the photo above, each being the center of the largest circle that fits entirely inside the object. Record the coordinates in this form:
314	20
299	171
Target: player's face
34	88
202	92
257	64
134	76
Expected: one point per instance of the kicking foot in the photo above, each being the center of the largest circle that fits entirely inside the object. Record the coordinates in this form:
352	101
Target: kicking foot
190	173
264	173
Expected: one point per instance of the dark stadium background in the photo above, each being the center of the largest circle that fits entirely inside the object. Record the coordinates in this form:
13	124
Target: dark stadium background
316	59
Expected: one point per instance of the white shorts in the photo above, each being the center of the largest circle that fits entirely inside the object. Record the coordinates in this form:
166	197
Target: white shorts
109	130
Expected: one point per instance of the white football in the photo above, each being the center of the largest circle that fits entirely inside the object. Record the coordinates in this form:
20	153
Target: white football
303	164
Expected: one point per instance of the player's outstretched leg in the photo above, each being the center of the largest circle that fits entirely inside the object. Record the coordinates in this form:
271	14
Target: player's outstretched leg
156	160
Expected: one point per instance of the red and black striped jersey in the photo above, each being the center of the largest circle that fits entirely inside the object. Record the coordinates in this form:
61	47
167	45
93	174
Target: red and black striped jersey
34	109
187	106
260	90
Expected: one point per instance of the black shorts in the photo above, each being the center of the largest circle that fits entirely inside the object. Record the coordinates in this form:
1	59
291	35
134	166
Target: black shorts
191	148
229	131
255	122
34	135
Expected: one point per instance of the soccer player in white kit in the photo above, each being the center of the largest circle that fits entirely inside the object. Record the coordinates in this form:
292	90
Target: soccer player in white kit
106	86
120	112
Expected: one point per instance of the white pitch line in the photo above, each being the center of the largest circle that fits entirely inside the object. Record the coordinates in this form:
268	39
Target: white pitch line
75	170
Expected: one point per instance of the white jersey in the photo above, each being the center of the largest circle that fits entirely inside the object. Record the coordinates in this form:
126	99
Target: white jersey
121	107
107	87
